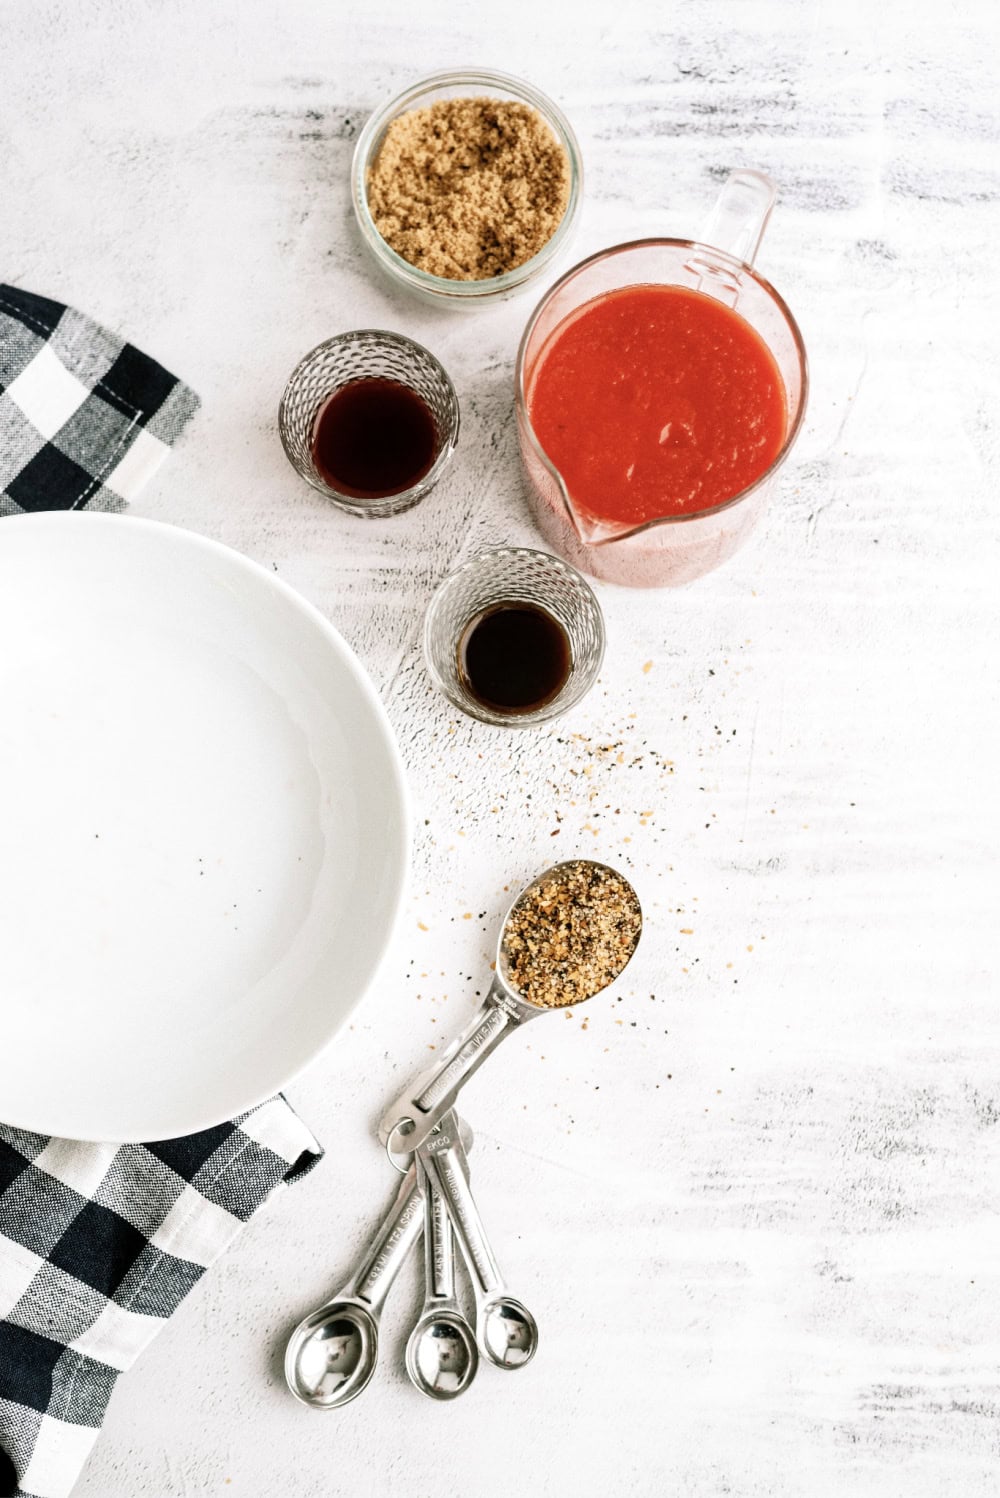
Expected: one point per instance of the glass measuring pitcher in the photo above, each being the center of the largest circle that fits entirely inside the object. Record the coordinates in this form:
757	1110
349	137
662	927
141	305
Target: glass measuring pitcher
678	547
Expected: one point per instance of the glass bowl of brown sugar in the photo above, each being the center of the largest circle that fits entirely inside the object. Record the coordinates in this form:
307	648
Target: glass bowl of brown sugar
467	186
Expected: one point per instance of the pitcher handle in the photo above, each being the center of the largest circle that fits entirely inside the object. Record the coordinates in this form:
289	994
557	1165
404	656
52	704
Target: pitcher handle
737	222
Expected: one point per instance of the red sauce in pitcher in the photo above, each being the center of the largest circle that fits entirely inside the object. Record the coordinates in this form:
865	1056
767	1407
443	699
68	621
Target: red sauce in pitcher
654	401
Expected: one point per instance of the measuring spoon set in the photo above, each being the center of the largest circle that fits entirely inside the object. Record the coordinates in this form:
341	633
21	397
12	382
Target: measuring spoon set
332	1354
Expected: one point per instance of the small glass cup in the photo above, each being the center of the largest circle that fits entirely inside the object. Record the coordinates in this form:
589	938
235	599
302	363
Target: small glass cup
459	84
367	353
514	574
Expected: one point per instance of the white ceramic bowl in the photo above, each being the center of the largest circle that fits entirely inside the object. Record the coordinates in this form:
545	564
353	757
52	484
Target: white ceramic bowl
204	829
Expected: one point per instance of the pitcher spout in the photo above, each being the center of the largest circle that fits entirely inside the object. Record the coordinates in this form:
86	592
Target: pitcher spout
591	529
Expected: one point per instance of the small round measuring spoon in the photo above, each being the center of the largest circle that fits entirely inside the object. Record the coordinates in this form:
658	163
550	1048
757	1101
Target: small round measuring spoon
331	1354
506	1331
532	976
441	1354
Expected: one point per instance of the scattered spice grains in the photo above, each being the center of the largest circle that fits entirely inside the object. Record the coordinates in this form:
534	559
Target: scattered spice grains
469	188
571	935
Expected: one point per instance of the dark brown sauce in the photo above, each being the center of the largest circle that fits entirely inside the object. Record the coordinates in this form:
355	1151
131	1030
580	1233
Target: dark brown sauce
373	438
514	657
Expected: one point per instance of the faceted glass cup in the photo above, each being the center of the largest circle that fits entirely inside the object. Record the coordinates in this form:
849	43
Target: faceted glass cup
368	353
514	574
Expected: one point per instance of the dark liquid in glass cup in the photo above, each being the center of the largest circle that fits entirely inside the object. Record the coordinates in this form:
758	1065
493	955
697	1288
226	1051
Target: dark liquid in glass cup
373	438
514	657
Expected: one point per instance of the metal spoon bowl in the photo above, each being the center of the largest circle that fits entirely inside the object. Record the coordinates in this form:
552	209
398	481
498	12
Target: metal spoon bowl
441	1355
508	1332
331	1355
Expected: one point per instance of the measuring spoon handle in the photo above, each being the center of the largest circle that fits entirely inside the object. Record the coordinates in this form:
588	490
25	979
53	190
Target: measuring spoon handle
435	1090
443	1158
385	1255
439	1243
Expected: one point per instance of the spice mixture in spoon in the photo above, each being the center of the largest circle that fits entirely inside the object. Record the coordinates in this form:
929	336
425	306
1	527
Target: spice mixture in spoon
570	934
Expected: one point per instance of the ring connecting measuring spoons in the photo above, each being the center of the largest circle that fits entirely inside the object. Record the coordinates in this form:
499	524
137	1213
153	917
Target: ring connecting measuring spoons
414	1114
331	1354
505	1329
441	1355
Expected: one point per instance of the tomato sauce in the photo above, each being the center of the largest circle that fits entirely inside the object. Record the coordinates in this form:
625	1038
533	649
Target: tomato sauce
655	401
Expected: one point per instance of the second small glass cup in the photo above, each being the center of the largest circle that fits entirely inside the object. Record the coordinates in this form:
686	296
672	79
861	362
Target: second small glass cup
552	613
367	354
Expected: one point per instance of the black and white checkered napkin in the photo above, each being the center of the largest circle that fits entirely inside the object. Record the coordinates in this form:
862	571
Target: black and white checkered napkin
99	1243
85	418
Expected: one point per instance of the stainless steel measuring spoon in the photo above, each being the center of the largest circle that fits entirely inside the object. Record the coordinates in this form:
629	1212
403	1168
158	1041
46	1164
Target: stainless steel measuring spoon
441	1355
331	1354
415	1112
505	1329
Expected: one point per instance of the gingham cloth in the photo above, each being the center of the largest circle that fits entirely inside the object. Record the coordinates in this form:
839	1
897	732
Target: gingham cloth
99	1243
85	418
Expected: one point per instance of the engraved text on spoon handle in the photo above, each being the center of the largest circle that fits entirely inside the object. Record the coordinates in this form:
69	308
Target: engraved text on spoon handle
445	1166
391	1244
439	1249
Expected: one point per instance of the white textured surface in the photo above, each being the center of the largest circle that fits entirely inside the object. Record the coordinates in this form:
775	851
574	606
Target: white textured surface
770	1160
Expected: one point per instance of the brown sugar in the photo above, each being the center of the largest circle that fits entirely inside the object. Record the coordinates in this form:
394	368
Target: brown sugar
571	935
469	188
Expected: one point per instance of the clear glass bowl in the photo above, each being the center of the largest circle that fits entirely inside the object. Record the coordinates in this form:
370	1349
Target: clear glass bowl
367	353
474	83
514	574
